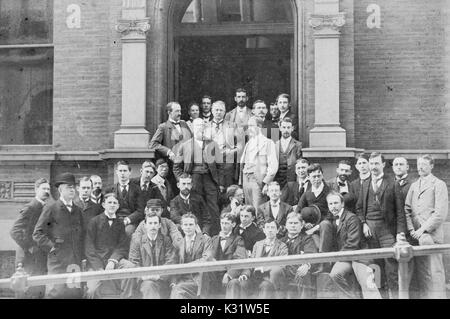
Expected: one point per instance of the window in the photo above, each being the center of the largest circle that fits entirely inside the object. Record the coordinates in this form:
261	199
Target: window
247	11
26	72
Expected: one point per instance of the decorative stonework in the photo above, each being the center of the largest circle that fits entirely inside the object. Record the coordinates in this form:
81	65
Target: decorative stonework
324	21
127	26
6	190
16	191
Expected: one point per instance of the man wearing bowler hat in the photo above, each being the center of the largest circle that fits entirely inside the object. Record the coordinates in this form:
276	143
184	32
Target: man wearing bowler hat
59	232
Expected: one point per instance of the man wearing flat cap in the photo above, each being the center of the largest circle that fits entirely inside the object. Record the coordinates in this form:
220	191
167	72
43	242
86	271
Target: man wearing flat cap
59	232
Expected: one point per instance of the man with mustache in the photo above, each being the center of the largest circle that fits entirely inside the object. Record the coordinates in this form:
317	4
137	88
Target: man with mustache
89	208
383	219
288	151
342	185
284	105
426	208
169	136
28	254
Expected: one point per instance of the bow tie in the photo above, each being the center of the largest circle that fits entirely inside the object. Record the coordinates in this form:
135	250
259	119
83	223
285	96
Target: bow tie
224	237
110	219
341	184
176	123
336	217
274	205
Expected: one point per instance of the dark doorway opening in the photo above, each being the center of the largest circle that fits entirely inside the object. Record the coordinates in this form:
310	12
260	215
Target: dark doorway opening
216	66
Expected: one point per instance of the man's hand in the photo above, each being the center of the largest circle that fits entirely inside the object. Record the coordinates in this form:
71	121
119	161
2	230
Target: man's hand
366	231
151	277
225	279
243	278
110	266
312	230
308	226
221	189
302	270
126	221
416	234
171	156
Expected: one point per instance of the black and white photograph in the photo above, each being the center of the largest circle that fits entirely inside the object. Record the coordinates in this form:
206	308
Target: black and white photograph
224	153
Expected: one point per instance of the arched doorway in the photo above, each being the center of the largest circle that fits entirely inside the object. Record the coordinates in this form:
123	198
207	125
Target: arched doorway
220	45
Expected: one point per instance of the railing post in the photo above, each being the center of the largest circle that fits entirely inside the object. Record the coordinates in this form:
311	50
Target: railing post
19	281
403	254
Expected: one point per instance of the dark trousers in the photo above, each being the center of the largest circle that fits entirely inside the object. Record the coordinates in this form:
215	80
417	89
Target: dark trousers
382	238
205	186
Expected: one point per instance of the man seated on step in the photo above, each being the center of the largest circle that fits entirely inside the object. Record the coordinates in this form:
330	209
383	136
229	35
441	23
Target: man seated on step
194	249
349	236
266	282
106	247
299	242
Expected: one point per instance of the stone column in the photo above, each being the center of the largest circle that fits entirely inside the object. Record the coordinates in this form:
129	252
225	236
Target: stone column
326	23
133	26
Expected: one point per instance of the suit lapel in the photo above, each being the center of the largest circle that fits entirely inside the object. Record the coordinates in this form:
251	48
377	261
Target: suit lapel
158	248
227	243
146	244
383	186
290	146
427	184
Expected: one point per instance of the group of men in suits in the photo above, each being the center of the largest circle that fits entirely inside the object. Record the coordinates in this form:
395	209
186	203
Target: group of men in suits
225	188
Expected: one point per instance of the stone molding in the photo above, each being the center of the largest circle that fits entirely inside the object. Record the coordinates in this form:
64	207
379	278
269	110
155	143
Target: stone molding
320	22
141	26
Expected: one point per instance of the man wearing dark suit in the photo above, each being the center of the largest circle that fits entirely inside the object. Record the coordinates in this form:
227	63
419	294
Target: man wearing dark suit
289	150
199	158
28	255
267	282
206	113
298	243
403	182
341	184
97	184
147	172
106	247
186	202
274	209
161	187
292	191
194	248
316	194
362	166
226	246
151	248
84	201
349	237
238	119
283	103
59	232
128	194
223	133
169	136
247	228
379	209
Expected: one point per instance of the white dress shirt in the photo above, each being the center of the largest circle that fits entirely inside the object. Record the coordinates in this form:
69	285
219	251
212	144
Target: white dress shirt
67	204
275	208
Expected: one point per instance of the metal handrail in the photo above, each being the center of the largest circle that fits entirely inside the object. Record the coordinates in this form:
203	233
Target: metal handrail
403	253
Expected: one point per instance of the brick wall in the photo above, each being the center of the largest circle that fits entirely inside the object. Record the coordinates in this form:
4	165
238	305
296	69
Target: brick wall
401	76
81	77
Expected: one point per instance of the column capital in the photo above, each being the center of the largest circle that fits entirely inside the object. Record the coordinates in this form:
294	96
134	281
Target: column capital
140	26
323	22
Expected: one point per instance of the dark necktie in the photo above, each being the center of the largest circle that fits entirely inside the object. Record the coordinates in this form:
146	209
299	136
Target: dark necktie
124	192
341	184
153	248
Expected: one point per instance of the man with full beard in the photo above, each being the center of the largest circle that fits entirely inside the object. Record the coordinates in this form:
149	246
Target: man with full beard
342	185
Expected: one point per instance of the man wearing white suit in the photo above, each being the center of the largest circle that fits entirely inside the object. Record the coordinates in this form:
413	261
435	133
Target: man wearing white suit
259	163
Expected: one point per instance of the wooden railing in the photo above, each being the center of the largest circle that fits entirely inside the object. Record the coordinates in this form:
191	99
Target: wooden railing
402	253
